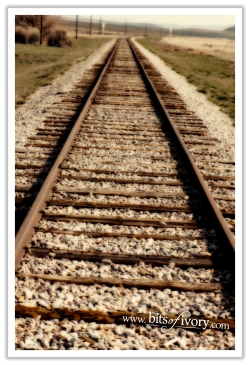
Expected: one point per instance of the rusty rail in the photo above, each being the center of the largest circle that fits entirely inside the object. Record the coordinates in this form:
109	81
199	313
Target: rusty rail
225	233
26	230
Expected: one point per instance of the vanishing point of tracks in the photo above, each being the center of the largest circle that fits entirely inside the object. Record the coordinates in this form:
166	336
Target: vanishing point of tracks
130	211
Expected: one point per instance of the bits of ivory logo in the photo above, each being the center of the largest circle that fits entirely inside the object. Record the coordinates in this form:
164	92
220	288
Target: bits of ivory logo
183	321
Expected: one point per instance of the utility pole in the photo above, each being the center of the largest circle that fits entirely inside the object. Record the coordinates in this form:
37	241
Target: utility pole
126	27
90	25
100	25
161	32
41	29
76	25
146	25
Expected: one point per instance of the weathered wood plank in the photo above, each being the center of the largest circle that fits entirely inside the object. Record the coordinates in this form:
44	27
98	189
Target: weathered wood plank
150	207
121	234
106	131
102	147
117	220
138	283
227	212
119	192
154	260
41	138
23	310
190	142
43	144
152	164
218	161
223	186
223	197
43	164
28	188
224	178
122	181
134	140
139	173
112	130
216	168
192	130
28	150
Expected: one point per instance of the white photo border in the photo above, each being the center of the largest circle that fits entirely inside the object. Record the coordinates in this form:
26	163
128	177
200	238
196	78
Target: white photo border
237	12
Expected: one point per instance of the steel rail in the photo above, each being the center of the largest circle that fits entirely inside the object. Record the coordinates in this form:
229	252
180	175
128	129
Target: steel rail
224	231
27	228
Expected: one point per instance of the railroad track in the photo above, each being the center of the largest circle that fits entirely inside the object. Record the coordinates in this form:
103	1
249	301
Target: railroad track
135	219
35	160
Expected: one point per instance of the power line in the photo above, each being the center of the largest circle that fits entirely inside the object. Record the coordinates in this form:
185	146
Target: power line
100	25
90	26
76	25
41	29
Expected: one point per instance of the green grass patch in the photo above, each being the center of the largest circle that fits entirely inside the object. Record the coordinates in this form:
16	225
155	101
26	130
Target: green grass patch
211	75
37	66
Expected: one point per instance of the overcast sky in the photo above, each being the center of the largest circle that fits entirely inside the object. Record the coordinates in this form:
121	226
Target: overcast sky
213	21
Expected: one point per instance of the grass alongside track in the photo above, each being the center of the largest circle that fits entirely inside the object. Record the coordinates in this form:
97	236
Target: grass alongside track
211	75
37	66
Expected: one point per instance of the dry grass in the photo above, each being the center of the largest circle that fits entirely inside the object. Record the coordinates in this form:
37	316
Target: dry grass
38	66
219	47
212	75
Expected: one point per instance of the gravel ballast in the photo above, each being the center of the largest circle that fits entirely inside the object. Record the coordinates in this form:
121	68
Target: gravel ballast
73	335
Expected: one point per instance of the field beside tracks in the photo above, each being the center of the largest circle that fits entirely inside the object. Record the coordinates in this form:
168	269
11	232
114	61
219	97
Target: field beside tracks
37	66
205	62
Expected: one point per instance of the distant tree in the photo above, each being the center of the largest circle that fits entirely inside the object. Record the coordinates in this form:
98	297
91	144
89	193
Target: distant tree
50	23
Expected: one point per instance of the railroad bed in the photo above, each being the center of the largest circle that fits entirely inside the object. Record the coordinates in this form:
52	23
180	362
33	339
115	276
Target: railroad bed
123	226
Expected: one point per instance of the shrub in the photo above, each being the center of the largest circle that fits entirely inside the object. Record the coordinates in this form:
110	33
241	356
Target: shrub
50	22
26	35
33	35
59	38
21	35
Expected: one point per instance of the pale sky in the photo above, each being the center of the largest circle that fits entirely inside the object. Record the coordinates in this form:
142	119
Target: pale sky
218	21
